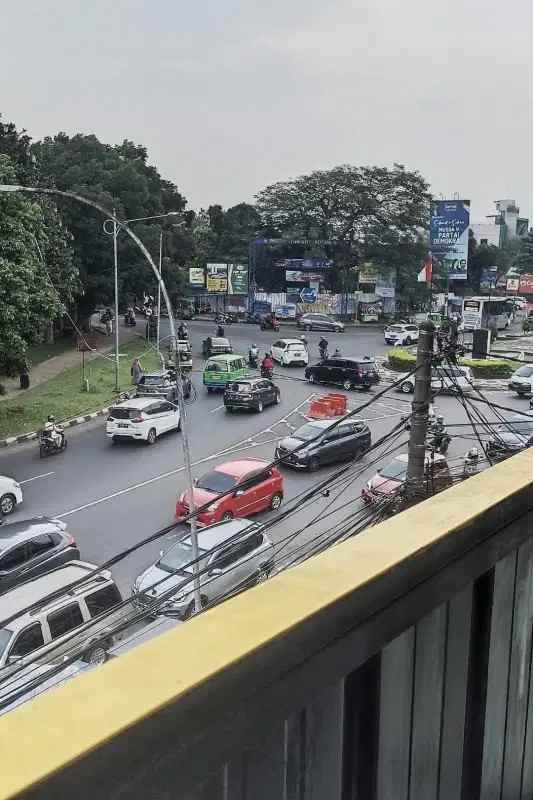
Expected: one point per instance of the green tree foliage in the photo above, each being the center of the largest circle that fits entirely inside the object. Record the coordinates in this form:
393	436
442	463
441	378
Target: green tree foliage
28	301
117	177
524	259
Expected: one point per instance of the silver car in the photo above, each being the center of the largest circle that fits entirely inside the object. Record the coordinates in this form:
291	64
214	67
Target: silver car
233	555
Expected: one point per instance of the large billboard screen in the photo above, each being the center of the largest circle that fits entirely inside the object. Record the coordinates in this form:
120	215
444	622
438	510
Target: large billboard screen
303	263
217	278
297	276
448	236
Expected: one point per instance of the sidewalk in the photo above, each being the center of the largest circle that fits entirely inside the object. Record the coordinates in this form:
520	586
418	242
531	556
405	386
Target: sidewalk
53	366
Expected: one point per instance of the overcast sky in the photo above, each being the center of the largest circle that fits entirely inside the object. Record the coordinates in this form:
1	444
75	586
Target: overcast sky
231	95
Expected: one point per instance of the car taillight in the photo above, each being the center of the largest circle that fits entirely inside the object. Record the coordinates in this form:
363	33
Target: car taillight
140	418
71	541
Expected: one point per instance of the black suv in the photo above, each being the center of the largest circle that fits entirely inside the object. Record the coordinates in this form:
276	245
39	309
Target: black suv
158	384
350	373
254	393
33	546
347	441
216	346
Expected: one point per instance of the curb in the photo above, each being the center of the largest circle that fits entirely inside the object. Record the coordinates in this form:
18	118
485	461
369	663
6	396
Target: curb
70	423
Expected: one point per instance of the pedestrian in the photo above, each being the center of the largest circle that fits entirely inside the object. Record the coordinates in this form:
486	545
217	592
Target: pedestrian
136	371
24	377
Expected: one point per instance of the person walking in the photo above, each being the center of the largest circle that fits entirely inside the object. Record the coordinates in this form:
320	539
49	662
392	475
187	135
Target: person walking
136	371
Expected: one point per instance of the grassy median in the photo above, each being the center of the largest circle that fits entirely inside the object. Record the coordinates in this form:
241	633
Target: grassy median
63	395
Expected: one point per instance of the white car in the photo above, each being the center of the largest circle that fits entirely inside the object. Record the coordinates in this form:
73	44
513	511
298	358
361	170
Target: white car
10	495
290	351
521	381
143	418
445	378
401	334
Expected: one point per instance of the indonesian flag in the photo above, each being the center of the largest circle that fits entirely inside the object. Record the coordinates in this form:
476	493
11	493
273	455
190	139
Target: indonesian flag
426	273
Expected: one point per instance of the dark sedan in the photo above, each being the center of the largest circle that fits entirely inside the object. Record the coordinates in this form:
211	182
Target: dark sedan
216	346
510	438
350	373
33	546
313	445
253	394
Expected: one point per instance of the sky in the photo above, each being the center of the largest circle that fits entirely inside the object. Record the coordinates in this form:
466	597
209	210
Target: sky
231	96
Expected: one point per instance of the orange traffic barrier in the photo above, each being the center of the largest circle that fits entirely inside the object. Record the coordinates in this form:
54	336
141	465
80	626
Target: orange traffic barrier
338	403
318	409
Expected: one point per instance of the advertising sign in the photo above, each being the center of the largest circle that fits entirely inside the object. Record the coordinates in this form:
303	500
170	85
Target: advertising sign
237	279
525	284
512	284
489	279
196	276
472	313
304	263
448	236
308	295
368	273
297	276
217	278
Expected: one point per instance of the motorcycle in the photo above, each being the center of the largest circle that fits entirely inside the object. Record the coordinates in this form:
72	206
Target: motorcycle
48	446
323	353
266	372
129	319
253	360
439	441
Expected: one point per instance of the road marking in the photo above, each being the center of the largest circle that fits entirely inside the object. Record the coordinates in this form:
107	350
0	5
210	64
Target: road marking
244	444
216	409
37	477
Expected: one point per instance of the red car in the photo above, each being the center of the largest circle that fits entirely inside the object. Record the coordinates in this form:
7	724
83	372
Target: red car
260	491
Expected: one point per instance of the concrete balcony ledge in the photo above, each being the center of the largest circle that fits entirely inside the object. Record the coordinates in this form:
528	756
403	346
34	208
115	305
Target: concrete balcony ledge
174	717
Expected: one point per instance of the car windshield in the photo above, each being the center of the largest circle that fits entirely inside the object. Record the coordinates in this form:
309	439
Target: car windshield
178	558
216	366
307	432
152	380
295	346
216	481
124	413
243	388
5	638
524	372
396	328
396	470
366	366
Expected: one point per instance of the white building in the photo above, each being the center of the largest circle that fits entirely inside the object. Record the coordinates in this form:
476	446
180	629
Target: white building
505	224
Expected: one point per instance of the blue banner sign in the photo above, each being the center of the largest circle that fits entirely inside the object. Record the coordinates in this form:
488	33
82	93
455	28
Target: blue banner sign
448	236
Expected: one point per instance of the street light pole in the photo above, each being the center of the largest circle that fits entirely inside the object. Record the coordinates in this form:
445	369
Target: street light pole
117	354
159	287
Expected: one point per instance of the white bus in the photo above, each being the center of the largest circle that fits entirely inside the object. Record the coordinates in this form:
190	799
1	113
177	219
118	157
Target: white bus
485	312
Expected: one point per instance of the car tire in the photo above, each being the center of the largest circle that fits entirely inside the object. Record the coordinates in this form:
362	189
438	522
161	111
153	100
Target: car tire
408	341
8	503
178	428
227	516
152	436
229	409
312	378
259	407
347	385
407	388
209	390
314	464
264	572
114	440
95	655
42	451
278	399
275	501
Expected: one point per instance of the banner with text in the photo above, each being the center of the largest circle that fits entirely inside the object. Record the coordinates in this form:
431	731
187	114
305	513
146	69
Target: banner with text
196	276
217	278
448	236
237	279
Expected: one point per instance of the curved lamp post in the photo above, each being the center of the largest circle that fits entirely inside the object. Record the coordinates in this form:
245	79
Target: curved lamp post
12	188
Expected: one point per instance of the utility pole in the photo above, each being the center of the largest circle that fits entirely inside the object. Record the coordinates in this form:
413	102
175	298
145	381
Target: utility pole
117	353
420	406
159	288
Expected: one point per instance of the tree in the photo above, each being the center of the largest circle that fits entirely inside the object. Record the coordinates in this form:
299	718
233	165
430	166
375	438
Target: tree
524	260
28	301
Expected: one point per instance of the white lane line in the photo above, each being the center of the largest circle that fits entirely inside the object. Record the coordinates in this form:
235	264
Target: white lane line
37	477
216	409
242	445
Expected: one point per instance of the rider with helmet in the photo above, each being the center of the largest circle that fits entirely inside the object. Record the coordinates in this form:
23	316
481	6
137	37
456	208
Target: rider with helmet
54	431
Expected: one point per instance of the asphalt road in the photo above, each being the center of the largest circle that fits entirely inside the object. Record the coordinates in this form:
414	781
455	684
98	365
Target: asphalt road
113	497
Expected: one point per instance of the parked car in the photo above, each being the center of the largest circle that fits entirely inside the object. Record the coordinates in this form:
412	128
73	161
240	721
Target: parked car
219	371
216	345
32	546
142	418
388	480
55	624
158	384
319	322
290	351
252	394
401	334
510	438
10	495
444	379
253	486
233	555
521	381
347	441
350	373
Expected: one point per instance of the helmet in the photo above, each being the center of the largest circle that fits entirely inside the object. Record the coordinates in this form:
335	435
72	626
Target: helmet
440	418
51	418
473	452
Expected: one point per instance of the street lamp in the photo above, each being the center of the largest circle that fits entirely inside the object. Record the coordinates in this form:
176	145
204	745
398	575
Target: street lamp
114	233
10	188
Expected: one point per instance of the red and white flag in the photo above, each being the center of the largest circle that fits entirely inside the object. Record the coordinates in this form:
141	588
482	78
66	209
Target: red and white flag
426	273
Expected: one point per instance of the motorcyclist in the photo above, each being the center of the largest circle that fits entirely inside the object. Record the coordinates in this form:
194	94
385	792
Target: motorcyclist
303	341
471	463
337	353
437	427
267	365
323	348
253	355
183	333
54	432
220	331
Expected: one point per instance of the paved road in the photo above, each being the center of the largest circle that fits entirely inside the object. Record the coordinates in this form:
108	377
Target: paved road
113	497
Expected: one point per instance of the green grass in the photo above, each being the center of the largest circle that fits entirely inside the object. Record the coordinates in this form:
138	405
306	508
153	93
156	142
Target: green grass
63	395
42	352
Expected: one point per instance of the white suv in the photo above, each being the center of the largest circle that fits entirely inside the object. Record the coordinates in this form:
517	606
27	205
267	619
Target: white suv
290	351
401	334
10	495
142	418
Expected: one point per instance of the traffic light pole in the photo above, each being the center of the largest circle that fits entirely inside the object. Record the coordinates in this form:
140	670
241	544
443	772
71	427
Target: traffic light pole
420	412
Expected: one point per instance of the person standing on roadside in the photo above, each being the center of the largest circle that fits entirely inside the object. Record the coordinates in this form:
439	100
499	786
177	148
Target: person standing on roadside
136	371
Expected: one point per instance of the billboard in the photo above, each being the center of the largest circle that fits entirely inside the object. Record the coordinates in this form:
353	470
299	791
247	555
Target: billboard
512	284
237	279
448	236
525	285
196	276
297	276
472	314
217	278
488	279
304	263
